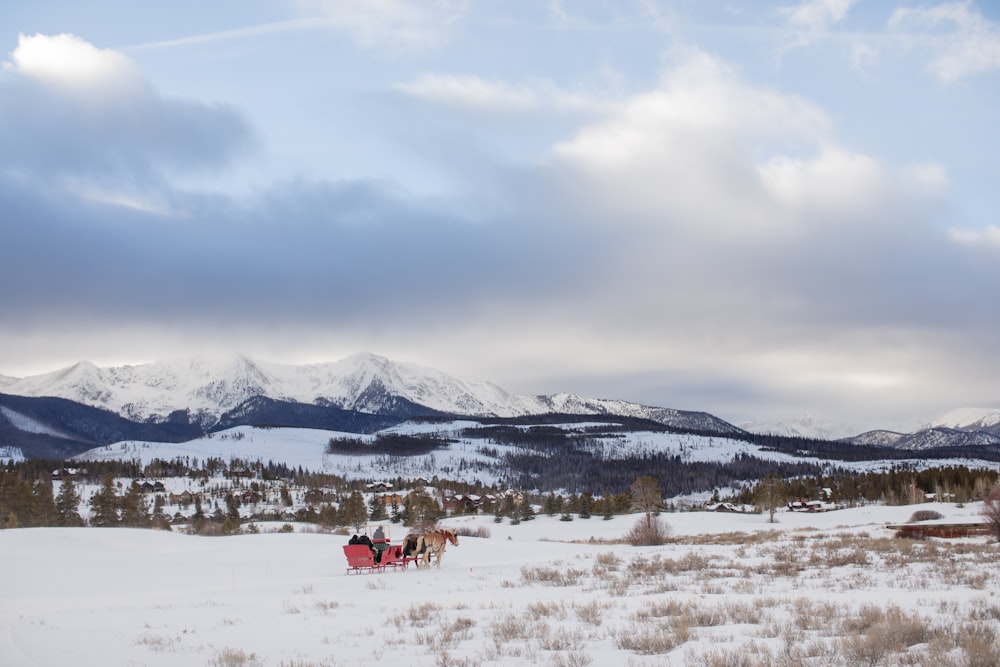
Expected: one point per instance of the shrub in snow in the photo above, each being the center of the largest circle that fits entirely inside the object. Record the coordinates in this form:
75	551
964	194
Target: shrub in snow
648	531
991	510
925	515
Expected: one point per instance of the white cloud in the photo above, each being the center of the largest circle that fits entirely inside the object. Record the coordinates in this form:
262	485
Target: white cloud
390	23
88	120
836	183
73	64
470	91
816	15
669	154
928	178
963	41
477	93
988	236
811	19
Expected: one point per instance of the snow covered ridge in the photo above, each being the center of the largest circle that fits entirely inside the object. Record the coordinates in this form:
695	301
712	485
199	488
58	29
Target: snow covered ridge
363	382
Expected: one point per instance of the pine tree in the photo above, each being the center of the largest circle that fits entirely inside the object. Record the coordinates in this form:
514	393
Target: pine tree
507	507
68	504
607	505
586	505
104	505
421	509
376	508
44	511
198	518
353	511
160	520
16	500
135	510
231	522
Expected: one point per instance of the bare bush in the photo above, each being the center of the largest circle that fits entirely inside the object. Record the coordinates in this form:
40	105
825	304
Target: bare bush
479	531
157	643
925	515
509	628
590	613
979	645
235	657
751	654
991	511
552	576
875	633
648	531
571	659
662	638
541	609
418	615
608	562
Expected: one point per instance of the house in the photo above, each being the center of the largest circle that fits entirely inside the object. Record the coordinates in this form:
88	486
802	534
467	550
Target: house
813	506
726	507
461	503
379	487
389	499
183	498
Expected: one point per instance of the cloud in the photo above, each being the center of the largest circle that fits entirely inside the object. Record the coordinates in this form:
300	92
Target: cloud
69	63
470	91
703	233
72	112
816	16
665	155
987	237
963	41
746	234
811	19
389	23
473	93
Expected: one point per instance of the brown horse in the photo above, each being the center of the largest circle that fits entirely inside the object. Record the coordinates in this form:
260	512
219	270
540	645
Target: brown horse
432	543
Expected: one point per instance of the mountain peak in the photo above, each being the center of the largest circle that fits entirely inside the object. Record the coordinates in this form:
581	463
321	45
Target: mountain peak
362	382
969	419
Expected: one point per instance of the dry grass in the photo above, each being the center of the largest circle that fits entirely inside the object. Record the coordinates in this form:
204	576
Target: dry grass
235	657
732	600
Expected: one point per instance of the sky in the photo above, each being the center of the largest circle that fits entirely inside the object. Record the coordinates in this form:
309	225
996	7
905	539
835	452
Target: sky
759	210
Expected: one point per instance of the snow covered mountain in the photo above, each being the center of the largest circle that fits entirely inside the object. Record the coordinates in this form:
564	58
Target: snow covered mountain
805	426
926	439
363	382
971	419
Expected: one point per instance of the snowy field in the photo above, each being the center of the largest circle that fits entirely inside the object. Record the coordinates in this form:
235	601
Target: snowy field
728	590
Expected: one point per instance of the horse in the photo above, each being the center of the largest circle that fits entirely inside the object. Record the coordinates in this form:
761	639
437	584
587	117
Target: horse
432	543
410	545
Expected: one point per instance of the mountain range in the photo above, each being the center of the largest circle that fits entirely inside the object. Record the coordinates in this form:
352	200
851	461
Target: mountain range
362	393
85	405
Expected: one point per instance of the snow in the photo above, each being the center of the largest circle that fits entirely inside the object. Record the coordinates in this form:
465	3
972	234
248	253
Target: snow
462	460
27	424
544	592
11	454
219	385
361	382
969	417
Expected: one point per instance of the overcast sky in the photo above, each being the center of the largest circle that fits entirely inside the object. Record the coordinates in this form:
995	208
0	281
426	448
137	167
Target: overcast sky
758	210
